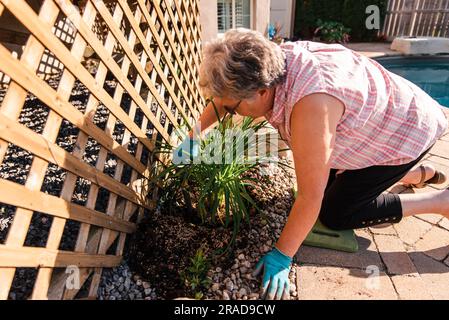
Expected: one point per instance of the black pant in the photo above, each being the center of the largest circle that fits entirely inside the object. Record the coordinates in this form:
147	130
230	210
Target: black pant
356	199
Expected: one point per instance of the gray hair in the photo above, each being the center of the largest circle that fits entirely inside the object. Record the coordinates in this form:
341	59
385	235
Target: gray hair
240	63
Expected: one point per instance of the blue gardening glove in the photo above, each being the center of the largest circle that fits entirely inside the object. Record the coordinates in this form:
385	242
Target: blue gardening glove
275	283
188	149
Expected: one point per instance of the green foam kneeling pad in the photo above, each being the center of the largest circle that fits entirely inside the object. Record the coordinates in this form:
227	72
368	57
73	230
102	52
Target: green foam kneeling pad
323	237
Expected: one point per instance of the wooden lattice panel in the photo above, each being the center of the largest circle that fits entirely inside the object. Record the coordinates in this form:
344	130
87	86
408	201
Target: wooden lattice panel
146	57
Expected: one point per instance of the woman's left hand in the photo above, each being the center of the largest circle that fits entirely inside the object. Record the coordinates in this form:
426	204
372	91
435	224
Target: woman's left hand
275	283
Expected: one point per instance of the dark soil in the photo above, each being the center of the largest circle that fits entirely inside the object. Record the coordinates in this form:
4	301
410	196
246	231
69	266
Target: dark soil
166	240
162	247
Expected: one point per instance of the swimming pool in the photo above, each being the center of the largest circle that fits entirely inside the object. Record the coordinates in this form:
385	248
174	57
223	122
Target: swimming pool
430	73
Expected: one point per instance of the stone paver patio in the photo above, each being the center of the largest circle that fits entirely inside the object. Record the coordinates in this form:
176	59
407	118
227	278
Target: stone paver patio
408	260
373	49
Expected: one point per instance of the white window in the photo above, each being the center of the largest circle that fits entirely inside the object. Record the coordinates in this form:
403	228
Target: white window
233	14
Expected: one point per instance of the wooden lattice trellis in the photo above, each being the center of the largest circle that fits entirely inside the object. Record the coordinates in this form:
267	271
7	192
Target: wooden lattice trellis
151	48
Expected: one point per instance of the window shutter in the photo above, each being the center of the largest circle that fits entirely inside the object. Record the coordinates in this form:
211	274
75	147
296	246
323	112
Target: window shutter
224	15
242	14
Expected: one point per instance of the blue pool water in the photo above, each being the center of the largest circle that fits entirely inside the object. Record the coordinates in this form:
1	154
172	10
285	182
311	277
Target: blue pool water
430	73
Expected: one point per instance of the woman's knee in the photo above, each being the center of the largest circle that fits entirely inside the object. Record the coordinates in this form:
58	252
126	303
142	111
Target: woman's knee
338	223
334	219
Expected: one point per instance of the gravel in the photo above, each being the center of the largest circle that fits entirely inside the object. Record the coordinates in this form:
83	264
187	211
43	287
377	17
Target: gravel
274	195
231	277
120	283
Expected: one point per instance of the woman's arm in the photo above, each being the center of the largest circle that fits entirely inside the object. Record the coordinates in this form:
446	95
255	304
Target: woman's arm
208	117
313	127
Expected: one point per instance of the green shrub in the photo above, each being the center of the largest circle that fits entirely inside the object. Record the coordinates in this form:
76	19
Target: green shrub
332	32
308	12
216	192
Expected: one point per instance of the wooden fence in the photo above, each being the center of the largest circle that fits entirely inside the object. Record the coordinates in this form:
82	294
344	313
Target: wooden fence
143	85
417	18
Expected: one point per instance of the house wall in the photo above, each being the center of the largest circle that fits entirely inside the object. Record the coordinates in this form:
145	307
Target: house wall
208	17
282	12
261	17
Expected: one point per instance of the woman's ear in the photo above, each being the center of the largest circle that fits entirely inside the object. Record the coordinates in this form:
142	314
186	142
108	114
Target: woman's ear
261	95
262	92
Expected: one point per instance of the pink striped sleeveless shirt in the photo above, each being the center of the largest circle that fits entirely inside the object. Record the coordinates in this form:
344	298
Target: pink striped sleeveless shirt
387	120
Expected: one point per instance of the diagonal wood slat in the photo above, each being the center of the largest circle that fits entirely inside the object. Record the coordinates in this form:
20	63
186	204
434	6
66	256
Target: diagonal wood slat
150	51
12	106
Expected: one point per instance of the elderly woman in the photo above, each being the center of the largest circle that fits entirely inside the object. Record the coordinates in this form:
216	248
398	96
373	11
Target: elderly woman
354	129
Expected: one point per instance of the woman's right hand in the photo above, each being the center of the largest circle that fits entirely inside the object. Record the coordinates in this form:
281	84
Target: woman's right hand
186	151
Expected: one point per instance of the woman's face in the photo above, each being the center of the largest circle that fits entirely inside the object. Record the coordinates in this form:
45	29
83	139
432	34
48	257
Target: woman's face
256	106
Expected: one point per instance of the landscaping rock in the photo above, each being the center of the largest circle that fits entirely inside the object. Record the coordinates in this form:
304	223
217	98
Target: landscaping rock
123	285
259	238
225	295
215	287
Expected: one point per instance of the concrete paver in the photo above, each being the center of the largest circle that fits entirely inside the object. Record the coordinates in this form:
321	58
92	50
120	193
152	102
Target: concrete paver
435	243
394	256
334	283
441	149
411	229
373	50
444	223
366	256
411	287
439	159
386	229
430	218
434	274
